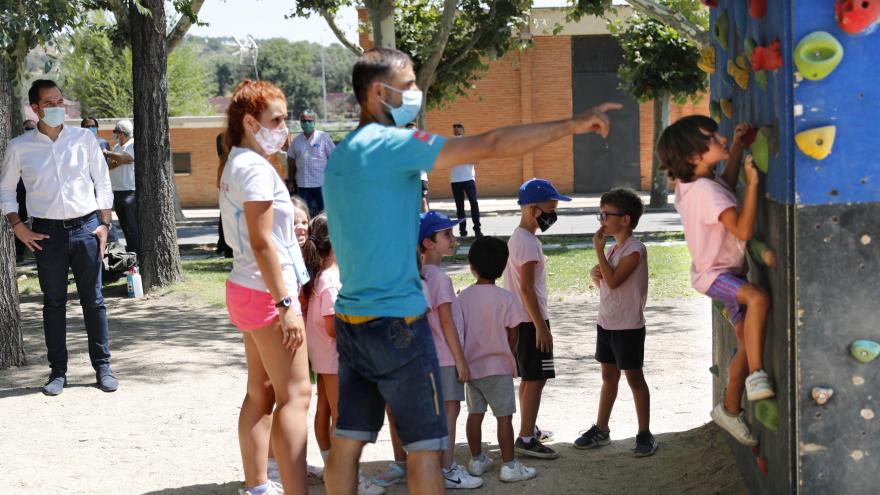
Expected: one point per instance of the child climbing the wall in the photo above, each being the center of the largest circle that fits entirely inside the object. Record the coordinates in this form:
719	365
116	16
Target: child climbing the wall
622	278
716	229
491	318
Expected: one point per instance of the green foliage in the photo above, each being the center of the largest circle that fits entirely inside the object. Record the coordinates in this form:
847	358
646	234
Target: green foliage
25	24
99	76
478	36
657	61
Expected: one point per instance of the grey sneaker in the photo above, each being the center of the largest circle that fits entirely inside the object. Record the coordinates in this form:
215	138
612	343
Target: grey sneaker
758	386
517	472
592	438
645	444
105	380
534	449
55	385
478	466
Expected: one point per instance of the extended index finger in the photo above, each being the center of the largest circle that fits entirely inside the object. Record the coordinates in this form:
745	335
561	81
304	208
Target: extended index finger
609	105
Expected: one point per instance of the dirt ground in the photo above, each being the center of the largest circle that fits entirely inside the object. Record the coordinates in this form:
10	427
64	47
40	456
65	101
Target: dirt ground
171	427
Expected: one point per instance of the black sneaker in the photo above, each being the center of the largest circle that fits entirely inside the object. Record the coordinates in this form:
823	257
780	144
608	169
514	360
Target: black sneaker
535	449
592	438
645	444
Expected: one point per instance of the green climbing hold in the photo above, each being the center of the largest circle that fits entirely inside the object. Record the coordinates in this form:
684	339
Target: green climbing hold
864	350
720	29
714	370
761	151
761	253
767	413
749	46
721	308
715	111
761	79
817	55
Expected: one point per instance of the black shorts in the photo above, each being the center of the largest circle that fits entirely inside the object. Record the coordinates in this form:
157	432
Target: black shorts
624	348
531	363
424	189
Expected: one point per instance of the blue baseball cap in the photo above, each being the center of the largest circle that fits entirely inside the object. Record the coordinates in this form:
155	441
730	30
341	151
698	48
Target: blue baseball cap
434	221
537	191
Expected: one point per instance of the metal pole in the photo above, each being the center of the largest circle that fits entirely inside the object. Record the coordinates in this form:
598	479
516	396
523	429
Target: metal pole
323	79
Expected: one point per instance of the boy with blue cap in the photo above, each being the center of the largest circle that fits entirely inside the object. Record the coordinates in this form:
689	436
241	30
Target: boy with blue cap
526	276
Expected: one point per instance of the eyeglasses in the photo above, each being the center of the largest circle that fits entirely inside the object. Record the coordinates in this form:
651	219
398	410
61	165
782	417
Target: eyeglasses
603	215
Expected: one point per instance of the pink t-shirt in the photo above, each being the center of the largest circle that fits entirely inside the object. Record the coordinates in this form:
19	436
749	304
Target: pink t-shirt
623	308
714	249
321	346
488	311
439	291
524	246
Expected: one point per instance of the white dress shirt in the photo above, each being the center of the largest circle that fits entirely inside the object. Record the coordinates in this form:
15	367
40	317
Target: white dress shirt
311	155
64	179
122	177
463	173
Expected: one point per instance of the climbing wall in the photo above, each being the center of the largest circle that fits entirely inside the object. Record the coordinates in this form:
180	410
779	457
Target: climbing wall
805	75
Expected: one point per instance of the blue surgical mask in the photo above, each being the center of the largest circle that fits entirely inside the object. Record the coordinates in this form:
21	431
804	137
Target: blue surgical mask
93	130
408	109
53	116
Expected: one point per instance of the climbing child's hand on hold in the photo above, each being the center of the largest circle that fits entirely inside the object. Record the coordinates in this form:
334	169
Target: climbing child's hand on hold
750	171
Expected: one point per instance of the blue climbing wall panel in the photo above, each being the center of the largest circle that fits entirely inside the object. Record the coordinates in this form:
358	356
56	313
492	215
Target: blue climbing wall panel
820	215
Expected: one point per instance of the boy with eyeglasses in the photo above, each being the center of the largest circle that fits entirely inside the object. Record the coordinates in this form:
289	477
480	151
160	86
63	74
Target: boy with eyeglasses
622	278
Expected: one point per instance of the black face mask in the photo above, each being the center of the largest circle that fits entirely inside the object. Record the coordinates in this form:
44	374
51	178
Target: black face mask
546	220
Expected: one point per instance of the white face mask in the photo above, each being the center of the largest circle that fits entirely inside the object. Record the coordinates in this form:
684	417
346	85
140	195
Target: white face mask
271	140
53	116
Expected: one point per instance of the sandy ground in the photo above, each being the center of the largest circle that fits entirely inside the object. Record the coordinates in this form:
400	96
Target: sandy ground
171	427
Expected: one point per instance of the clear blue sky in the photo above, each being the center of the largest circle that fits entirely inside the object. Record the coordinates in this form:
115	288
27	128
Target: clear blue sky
265	19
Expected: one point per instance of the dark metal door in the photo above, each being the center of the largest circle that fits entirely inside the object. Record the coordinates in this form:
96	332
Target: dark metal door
601	164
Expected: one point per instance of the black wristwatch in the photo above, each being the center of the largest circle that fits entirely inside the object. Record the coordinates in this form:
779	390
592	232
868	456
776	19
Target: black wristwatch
105	224
284	303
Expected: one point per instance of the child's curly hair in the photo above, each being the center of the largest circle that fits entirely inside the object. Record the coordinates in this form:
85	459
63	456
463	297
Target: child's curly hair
681	142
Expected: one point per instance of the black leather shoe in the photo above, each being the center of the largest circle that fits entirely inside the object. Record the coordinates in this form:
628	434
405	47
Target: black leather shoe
106	381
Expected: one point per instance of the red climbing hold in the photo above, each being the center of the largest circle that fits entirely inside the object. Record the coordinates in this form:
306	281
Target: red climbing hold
758	8
710	3
767	57
762	465
750	135
856	16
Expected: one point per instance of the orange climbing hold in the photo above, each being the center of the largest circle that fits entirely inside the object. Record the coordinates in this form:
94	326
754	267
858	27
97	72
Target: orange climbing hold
767	57
857	16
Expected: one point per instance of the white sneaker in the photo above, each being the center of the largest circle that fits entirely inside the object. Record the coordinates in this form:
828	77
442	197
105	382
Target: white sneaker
478	467
456	477
517	472
735	425
758	386
274	489
365	487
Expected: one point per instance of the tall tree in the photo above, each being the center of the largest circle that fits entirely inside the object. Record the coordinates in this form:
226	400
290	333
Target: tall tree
24	24
660	65
154	175
681	15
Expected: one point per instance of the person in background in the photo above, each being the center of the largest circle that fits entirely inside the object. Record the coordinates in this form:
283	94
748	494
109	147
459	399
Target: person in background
306	159
121	163
464	182
91	124
222	247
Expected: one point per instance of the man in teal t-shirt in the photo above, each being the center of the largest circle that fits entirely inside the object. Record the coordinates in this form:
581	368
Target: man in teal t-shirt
372	199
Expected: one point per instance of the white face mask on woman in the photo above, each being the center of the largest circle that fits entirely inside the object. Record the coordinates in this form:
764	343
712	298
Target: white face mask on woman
271	140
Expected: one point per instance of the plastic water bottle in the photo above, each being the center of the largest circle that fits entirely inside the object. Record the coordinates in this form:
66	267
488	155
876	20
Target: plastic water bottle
135	286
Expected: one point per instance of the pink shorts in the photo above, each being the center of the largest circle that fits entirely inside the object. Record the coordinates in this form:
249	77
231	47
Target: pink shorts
251	309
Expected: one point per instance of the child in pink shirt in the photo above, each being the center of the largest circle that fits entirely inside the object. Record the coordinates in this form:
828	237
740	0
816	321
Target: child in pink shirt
436	240
491	318
622	279
716	229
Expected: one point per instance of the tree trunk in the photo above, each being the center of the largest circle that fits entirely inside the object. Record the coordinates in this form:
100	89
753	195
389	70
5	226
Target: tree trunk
11	343
381	14
154	176
659	179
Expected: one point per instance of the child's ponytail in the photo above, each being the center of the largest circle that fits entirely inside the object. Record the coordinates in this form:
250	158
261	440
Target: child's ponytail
315	251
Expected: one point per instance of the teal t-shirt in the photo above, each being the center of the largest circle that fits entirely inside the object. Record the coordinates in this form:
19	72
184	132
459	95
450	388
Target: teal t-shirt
372	196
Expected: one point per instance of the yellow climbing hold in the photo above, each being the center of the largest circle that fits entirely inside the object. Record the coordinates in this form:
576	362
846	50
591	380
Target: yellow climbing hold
707	60
739	72
726	107
816	143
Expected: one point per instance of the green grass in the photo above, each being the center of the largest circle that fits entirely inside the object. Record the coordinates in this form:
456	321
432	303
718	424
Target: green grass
568	272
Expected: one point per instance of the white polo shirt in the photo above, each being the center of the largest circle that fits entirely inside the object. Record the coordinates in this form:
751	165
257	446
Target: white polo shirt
122	177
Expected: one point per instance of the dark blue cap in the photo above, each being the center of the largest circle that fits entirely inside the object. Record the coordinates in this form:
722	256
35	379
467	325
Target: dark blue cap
434	221
537	191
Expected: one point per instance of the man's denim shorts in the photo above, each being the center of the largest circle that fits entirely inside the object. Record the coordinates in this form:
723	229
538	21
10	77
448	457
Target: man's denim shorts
393	361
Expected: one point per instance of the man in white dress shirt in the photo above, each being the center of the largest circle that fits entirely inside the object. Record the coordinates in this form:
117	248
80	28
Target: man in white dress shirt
121	164
306	159
69	198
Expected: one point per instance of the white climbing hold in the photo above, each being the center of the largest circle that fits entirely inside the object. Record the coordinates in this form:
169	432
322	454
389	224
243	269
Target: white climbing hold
857	380
857	455
867	413
866	239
